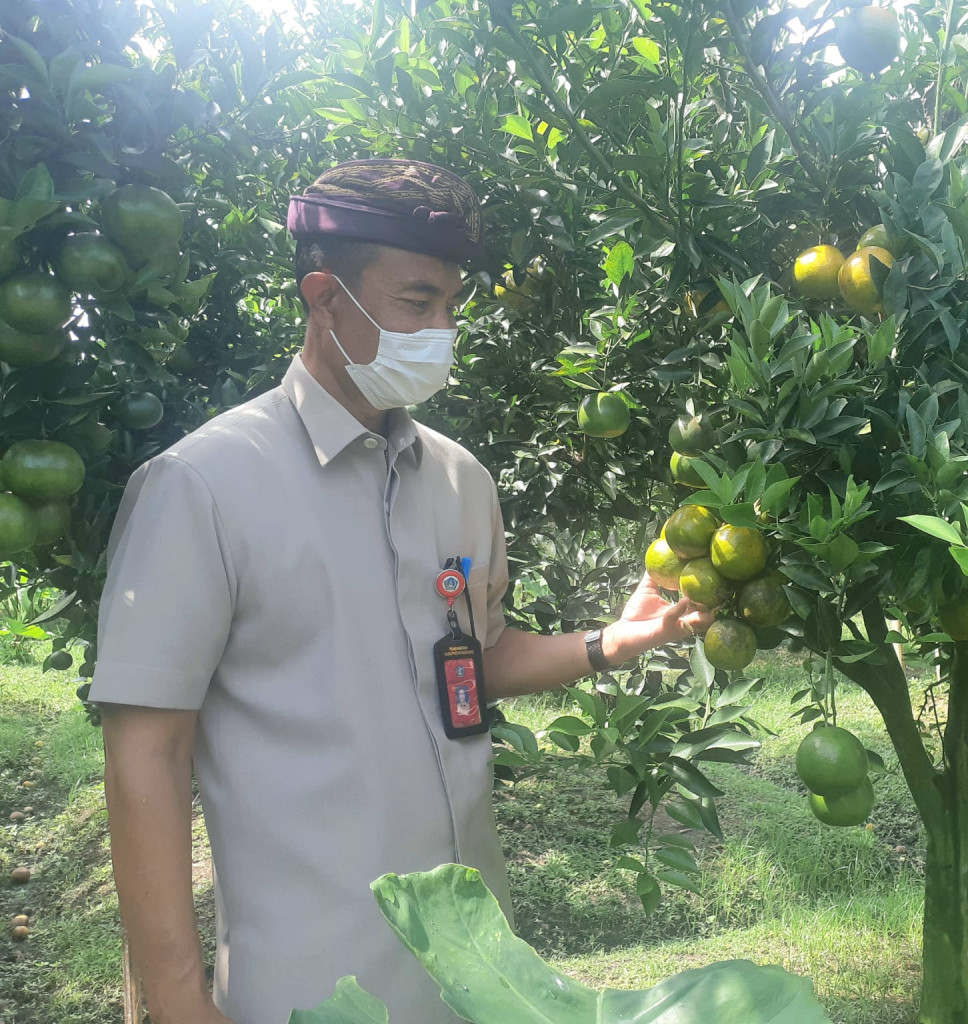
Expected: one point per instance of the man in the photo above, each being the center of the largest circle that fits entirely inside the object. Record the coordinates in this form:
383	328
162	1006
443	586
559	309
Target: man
271	614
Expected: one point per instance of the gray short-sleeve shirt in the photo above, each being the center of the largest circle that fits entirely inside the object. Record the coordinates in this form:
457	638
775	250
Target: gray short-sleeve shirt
275	569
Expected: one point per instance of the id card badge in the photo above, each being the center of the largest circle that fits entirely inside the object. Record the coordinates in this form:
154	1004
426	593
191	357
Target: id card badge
460	685
459	665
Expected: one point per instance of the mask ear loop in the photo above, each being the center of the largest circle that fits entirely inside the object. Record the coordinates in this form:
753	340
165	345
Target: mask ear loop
349	362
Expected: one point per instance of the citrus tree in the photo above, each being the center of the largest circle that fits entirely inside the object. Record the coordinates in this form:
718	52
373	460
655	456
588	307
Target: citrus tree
672	193
751	220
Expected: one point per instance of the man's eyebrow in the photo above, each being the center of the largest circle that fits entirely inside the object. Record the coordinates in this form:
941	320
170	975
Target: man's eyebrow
428	288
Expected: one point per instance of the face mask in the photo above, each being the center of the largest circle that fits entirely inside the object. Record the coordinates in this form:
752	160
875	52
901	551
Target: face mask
408	368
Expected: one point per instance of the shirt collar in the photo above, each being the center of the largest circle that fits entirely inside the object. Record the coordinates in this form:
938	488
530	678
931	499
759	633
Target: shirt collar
332	428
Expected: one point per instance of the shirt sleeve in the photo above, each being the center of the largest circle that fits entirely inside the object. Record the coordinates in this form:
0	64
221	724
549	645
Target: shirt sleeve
498	577
167	603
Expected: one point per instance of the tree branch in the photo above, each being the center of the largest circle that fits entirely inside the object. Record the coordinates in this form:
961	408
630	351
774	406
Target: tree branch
772	99
652	220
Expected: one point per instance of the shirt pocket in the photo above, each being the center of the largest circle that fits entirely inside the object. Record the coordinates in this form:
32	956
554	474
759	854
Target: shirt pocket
477	594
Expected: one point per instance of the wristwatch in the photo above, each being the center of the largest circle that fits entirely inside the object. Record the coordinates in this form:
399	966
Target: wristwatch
593	647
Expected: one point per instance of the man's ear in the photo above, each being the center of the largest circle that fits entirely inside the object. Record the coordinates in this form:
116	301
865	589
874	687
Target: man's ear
319	288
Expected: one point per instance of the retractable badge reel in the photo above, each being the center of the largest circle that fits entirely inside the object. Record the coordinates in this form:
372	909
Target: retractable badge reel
457	657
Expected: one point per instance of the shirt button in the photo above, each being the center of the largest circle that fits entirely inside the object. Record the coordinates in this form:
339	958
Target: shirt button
371	442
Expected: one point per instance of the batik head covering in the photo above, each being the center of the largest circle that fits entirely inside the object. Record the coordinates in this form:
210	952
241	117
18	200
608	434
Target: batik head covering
404	203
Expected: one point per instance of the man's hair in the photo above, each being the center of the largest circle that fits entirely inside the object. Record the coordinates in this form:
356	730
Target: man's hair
346	256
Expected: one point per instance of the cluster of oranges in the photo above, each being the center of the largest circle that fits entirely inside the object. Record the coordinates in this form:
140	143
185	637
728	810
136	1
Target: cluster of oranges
719	565
37	479
832	763
823	272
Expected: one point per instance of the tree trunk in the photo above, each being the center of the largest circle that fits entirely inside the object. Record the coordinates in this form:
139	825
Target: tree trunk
944	991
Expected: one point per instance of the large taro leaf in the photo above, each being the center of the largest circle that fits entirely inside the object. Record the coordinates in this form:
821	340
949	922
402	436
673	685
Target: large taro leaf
448	918
349	1004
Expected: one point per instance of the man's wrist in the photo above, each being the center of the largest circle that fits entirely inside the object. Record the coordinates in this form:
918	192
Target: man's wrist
615	653
602	650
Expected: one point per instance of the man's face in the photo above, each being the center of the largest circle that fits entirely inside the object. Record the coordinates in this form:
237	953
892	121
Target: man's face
402	291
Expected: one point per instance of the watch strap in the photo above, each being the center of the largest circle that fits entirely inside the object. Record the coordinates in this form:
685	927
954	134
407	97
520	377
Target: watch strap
593	648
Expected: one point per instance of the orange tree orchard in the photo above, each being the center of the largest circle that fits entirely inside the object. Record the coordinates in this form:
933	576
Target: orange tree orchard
674	195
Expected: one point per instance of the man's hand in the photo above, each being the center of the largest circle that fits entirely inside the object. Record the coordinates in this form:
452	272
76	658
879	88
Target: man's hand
649	620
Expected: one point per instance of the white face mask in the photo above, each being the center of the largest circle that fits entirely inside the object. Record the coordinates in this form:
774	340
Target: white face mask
407	369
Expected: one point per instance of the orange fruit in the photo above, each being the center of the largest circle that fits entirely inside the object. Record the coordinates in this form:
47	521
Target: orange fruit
738	552
869	38
879	237
140	410
953	618
40	470
730	644
700	582
690	529
61	661
603	414
144	221
831	760
91	264
34	302
52	520
691	435
684	472
763	602
815	271
17	530
19	349
663	564
857	286
850	808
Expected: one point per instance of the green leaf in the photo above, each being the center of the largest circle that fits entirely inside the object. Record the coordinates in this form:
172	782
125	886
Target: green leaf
515	124
620	262
349	1004
960	555
455	927
935	527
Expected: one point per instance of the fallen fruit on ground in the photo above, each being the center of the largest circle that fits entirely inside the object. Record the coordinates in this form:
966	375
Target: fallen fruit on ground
763	602
869	38
730	644
17	816
34	302
41	470
20	875
689	530
831	760
19	919
700	582
738	552
17	529
603	414
815	271
663	564
19	933
857	285
850	808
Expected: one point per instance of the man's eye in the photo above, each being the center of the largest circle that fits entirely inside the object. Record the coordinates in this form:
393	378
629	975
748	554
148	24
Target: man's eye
420	304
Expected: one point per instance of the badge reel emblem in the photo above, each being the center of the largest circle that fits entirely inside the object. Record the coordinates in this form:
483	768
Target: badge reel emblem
457	658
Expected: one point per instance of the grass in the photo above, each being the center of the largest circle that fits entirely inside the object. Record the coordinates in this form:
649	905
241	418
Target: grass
840	905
